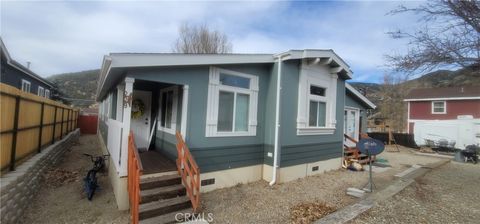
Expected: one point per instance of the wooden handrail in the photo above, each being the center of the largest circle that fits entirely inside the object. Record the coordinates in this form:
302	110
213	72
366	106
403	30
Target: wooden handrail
189	171
135	170
350	138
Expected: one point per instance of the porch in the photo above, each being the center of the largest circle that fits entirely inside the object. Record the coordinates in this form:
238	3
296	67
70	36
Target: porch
155	162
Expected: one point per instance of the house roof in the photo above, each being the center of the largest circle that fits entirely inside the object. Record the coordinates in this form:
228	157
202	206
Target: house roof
444	93
20	67
360	96
114	63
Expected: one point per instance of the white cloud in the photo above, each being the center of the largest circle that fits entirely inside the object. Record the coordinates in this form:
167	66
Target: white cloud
62	37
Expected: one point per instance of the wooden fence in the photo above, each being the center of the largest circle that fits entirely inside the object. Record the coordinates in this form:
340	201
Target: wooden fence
400	138
28	123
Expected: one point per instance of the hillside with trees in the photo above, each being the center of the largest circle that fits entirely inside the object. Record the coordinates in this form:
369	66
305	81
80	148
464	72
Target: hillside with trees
78	87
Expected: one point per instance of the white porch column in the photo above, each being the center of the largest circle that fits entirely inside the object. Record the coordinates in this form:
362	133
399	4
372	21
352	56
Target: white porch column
127	110
183	129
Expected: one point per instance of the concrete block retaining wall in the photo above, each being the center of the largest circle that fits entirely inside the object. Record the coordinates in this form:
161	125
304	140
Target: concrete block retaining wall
17	188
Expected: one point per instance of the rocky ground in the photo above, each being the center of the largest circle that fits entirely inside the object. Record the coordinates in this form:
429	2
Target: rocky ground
448	194
61	198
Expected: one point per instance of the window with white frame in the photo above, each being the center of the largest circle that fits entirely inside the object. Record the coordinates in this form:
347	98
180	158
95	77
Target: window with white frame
47	93
168	109
316	114
232	103
41	91
26	85
439	107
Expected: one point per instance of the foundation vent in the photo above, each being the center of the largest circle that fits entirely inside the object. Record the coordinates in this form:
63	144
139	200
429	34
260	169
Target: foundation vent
208	182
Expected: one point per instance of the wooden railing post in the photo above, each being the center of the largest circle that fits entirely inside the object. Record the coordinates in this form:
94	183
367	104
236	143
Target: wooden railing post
135	170
54	125
14	135
41	128
189	171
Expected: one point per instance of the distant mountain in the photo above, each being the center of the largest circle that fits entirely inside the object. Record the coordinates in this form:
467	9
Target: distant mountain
441	78
79	86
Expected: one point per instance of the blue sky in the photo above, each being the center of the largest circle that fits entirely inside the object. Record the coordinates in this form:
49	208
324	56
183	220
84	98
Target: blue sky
58	37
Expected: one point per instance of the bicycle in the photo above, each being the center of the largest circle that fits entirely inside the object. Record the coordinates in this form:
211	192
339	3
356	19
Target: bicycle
90	180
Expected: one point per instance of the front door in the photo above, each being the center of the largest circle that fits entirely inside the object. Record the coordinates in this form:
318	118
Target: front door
141	115
352	122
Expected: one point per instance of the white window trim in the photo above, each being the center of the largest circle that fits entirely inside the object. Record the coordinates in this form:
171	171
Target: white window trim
444	107
316	75
47	93
41	91
214	89
27	84
173	120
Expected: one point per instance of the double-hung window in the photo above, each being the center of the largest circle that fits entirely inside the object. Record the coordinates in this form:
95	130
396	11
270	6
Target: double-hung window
47	93
439	107
168	109
41	91
232	103
26	85
317	116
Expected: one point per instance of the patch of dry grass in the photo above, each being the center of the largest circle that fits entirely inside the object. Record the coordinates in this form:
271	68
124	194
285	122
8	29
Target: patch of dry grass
304	213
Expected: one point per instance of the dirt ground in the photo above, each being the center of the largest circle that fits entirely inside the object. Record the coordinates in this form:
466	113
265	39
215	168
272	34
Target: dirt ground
61	198
246	203
448	194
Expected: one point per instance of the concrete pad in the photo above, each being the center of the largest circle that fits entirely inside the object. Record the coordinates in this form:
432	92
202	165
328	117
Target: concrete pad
377	169
435	155
407	171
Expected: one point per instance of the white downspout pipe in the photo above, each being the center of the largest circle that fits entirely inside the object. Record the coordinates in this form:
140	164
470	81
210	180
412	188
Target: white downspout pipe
277	122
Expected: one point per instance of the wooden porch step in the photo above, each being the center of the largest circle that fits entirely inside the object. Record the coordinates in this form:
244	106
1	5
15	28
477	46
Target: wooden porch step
166	192
167	218
164	206
159	181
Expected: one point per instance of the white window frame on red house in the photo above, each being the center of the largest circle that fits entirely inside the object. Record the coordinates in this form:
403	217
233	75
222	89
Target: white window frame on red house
444	107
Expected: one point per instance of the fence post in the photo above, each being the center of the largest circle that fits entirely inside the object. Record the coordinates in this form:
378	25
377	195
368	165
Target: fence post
68	121
14	135
61	125
54	124
41	129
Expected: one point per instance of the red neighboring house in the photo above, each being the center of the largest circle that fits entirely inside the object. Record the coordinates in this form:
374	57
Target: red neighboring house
447	103
441	110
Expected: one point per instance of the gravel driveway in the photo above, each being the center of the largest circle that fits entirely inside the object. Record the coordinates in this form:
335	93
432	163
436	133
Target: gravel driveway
448	194
61	199
259	203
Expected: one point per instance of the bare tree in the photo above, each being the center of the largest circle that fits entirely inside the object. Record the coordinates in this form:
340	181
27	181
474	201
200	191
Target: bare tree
201	40
450	36
392	107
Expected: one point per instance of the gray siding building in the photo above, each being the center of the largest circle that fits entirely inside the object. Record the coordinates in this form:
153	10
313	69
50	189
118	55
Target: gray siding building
21	77
245	117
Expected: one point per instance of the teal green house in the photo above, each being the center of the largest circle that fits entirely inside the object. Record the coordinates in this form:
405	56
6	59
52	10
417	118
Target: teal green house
245	117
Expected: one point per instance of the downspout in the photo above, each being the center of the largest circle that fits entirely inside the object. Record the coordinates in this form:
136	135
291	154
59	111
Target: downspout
277	122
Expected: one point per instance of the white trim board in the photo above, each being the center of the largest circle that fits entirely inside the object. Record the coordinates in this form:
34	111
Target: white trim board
359	95
444	98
